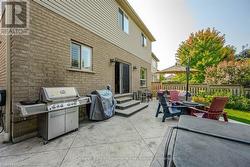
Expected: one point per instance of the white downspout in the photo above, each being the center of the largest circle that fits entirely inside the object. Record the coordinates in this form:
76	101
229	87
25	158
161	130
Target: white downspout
8	93
7	135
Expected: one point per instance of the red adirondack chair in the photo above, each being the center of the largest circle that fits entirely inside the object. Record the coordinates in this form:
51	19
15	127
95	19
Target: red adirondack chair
214	111
174	96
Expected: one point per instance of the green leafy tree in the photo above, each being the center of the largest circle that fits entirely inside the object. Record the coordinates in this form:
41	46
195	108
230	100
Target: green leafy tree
162	78
245	54
205	48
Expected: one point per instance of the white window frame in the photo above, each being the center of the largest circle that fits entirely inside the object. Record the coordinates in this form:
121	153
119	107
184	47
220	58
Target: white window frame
154	64
143	40
124	18
81	67
143	79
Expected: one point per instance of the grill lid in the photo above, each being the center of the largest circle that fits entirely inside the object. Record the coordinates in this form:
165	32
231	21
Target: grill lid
58	93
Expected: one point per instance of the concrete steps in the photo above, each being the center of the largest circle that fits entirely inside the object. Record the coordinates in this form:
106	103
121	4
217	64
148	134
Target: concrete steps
123	100
126	106
123	95
132	110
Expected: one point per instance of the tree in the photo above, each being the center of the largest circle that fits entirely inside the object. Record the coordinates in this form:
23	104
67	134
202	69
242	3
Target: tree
162	78
244	54
205	48
229	72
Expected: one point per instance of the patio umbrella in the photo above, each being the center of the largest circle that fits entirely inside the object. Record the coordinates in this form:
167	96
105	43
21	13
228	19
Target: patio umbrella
178	69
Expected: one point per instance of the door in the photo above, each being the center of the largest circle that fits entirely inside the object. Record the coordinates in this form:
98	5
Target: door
125	78
117	78
122	78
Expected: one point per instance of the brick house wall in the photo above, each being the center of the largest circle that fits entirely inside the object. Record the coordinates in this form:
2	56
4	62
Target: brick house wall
42	59
3	63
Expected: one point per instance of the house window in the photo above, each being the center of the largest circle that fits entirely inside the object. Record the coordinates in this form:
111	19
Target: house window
154	64
143	77
123	21
143	40
81	56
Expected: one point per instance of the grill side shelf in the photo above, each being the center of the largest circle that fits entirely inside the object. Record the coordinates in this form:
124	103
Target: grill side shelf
29	110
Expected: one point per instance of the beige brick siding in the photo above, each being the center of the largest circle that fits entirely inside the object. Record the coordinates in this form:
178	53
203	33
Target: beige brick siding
42	59
3	64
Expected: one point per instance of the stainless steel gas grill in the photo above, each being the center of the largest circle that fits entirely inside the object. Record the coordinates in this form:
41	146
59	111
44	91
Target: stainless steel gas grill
58	111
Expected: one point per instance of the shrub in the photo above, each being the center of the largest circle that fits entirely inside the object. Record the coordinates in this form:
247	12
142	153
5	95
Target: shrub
235	102
229	72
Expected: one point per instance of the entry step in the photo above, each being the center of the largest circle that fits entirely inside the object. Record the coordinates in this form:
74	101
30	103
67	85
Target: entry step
124	95
132	110
128	104
124	99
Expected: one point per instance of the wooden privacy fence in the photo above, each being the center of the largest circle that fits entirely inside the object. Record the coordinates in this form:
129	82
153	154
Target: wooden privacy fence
236	90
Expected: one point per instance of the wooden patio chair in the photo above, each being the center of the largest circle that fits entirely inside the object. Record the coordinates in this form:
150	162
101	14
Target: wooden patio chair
215	110
174	96
169	109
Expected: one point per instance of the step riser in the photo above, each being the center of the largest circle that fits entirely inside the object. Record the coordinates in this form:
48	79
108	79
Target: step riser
123	95
132	113
123	101
126	107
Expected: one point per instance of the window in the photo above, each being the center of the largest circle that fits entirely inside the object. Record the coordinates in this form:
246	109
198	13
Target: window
123	21
143	77
143	40
154	64
81	56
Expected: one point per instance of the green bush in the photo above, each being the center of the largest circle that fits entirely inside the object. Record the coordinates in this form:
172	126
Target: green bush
171	82
235	102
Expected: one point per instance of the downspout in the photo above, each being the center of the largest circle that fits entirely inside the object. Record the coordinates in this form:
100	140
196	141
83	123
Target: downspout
7	134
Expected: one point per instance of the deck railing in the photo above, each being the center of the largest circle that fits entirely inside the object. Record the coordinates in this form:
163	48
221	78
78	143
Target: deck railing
236	90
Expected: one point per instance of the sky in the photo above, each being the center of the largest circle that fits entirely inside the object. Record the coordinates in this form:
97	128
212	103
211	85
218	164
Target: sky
172	21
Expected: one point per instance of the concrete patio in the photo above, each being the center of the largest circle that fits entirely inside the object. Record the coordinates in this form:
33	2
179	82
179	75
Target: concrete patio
116	142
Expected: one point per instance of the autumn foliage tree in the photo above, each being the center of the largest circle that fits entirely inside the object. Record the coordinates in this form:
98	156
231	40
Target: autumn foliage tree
230	72
205	48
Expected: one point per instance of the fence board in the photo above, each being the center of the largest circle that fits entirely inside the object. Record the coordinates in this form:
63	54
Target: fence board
236	90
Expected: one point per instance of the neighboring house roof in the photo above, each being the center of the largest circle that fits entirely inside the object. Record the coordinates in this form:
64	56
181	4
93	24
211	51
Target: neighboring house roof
133	15
175	70
170	77
154	57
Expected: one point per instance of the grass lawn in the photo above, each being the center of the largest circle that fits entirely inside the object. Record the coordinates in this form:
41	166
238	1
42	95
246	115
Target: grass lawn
237	115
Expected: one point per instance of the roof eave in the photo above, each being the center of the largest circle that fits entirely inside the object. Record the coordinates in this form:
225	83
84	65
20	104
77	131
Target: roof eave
154	57
133	15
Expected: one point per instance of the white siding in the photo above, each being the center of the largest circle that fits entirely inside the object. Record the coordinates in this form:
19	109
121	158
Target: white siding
101	17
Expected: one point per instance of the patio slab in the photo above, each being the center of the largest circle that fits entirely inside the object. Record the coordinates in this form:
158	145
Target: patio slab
50	158
119	141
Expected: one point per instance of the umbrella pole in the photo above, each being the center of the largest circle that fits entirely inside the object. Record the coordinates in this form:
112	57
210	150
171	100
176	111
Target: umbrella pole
187	73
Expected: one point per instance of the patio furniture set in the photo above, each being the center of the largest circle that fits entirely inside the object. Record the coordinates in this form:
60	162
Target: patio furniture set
171	105
228	143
